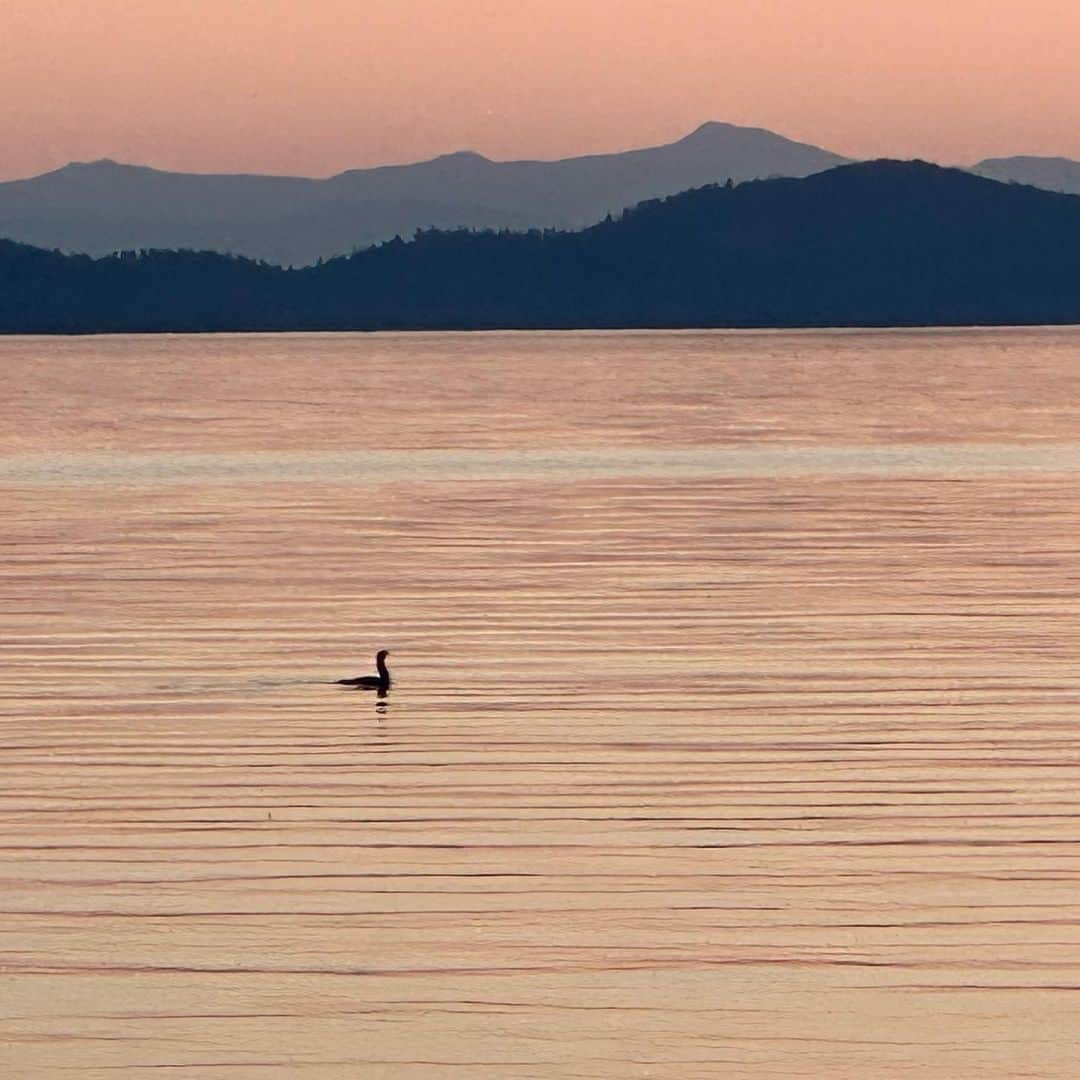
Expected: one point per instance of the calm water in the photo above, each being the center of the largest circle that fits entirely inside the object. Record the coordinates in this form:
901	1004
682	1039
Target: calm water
736	733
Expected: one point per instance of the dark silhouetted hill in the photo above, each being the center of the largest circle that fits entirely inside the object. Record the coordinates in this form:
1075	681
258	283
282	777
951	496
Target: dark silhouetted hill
878	244
103	206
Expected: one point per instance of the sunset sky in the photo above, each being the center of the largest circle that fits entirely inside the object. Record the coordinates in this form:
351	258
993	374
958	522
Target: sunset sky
316	86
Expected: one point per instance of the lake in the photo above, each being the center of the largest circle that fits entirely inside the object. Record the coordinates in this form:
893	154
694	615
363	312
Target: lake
735	729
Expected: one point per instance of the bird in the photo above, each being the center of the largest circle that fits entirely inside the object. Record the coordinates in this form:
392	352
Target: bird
380	682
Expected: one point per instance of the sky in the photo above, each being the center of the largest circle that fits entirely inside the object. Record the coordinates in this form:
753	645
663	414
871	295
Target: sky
312	87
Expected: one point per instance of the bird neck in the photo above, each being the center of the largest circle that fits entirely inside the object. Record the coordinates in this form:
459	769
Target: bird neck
380	664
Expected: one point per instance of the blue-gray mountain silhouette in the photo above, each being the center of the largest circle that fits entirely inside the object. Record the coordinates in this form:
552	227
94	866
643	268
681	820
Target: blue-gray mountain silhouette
876	244
104	206
1049	173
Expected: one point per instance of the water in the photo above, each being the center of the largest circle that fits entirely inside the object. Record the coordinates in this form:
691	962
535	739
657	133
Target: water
735	730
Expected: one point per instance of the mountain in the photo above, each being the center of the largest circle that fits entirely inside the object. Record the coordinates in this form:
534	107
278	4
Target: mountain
877	244
1052	174
580	191
104	206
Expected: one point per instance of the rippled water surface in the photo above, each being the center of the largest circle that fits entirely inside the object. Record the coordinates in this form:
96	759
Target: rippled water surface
735	733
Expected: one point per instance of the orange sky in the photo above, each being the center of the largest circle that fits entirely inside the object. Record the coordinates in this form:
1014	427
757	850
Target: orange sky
315	86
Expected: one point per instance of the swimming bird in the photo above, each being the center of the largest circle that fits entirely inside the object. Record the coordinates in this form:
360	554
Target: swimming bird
380	682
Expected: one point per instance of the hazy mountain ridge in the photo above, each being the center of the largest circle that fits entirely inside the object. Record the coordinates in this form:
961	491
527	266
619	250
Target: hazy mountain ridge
875	244
101	207
1048	173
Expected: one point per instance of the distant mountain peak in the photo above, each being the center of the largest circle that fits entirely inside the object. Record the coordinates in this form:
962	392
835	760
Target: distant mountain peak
463	156
466	163
1050	173
99	163
457	159
720	141
714	127
100	167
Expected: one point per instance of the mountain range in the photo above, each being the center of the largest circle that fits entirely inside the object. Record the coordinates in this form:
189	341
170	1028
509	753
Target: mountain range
104	206
872	244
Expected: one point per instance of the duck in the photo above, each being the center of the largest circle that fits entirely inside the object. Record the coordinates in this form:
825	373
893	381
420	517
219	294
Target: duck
380	682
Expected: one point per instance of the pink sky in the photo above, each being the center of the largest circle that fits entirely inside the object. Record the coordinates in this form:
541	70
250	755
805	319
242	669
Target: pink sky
315	86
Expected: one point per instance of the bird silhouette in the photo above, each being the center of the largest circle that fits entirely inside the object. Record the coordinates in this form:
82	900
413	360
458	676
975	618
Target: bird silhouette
380	682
